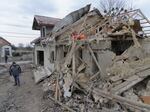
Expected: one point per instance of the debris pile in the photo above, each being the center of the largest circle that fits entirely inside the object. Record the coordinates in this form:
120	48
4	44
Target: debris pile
105	67
41	73
125	86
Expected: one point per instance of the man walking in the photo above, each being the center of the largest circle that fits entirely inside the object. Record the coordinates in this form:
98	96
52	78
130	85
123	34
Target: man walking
15	71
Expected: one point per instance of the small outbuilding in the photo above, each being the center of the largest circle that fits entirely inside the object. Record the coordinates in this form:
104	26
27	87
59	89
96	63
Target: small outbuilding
5	49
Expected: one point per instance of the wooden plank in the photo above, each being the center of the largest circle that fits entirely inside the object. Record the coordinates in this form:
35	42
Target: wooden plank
73	64
126	85
145	26
144	22
95	60
115	78
70	53
144	16
142	68
61	104
95	75
135	39
56	89
128	103
146	30
141	73
147	33
81	67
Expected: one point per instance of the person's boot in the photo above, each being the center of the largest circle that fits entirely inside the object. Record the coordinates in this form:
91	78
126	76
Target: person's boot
15	84
18	84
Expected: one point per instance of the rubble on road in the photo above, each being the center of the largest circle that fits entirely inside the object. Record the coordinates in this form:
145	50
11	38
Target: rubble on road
106	71
41	73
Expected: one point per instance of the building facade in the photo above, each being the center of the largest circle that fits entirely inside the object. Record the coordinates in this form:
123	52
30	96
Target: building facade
5	49
42	51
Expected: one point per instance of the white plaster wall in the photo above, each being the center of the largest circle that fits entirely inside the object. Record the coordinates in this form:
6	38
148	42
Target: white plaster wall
3	50
47	57
146	45
37	48
47	50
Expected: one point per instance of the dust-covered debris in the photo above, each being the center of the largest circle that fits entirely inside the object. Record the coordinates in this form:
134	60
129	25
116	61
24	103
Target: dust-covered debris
100	62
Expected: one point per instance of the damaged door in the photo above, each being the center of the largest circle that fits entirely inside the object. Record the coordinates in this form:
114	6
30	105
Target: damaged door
40	58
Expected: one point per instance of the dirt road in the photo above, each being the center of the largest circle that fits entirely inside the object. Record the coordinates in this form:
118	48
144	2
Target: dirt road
26	98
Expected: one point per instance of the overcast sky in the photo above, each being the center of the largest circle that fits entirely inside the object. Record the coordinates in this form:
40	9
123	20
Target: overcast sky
16	16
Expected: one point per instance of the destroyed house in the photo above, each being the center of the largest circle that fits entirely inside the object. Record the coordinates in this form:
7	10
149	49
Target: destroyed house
94	31
99	59
5	49
41	50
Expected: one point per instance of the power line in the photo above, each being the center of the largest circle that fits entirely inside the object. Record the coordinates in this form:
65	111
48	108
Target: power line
13	36
15	25
22	37
17	33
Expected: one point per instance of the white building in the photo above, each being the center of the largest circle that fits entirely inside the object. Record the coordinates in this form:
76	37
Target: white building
5	49
43	54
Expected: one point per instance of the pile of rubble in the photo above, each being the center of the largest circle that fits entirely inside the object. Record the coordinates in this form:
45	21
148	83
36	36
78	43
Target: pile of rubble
94	77
125	86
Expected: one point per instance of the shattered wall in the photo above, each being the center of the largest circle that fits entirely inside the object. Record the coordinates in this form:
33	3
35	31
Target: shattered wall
47	51
103	70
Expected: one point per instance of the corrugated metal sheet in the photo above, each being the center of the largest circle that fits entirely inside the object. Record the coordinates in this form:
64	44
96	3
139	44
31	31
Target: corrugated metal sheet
71	18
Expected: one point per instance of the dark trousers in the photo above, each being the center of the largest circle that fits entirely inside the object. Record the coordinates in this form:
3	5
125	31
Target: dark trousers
17	80
5	60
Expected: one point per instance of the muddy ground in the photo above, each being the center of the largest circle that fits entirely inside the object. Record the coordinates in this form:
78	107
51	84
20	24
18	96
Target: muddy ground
26	98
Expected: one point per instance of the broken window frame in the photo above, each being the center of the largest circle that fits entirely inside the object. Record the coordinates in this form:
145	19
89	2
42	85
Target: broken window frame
43	31
52	56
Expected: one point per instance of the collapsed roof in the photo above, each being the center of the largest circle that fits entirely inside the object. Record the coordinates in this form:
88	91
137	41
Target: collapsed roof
71	18
44	21
81	62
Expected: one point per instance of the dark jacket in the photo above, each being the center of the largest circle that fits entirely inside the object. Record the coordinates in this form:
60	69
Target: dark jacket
14	70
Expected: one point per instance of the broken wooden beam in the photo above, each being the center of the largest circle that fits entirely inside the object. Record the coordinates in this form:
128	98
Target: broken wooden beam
135	40
141	71
136	105
95	75
61	104
73	63
126	85
95	60
70	54
140	74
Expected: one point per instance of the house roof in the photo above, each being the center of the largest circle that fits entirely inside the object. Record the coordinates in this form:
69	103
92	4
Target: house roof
71	18
4	42
44	21
38	40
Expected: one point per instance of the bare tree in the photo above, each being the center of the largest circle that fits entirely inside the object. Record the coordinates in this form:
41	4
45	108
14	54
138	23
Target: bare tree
113	7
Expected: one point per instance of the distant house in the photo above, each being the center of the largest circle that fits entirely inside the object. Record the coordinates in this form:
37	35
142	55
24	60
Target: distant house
5	49
41	51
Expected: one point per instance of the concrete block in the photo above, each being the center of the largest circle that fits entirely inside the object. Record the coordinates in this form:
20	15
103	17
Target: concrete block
105	59
41	74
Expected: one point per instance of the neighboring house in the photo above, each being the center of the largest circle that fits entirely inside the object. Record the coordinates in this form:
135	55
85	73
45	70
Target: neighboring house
24	54
42	51
5	49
